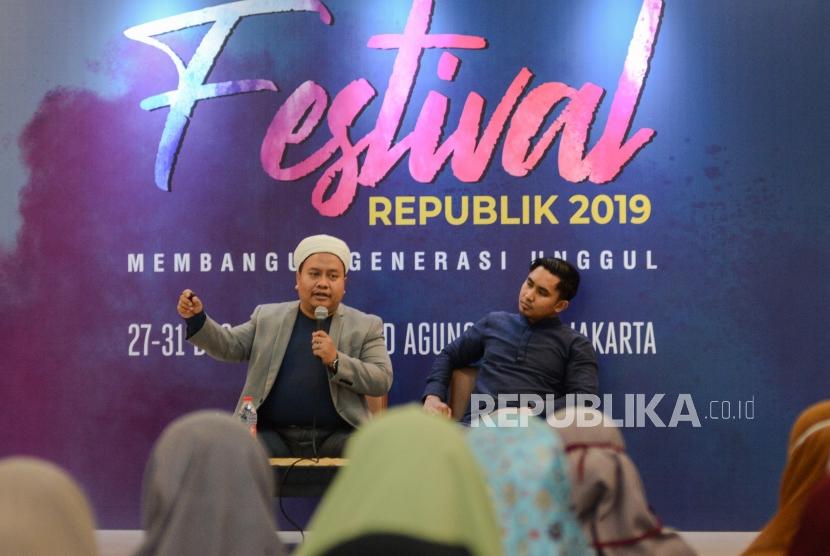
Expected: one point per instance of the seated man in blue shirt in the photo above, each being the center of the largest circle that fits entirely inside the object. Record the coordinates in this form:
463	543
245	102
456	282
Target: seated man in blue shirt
529	353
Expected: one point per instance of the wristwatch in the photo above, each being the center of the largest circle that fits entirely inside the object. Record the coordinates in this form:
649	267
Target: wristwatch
333	366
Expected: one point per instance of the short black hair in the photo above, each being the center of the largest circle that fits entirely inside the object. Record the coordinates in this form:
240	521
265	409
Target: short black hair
562	269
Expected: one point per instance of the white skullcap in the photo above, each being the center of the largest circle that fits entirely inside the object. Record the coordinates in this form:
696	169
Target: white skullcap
322	244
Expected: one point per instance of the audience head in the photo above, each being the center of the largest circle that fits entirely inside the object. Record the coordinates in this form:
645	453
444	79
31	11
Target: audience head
808	450
412	483
608	495
208	490
42	511
525	466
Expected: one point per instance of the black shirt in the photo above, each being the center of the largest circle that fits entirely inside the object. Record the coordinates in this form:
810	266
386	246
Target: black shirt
300	396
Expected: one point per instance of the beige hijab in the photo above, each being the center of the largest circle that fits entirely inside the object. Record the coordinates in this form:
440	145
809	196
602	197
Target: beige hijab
607	493
208	491
808	450
42	511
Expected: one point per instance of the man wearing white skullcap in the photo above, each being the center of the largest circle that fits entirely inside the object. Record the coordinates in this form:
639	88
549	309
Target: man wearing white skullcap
311	362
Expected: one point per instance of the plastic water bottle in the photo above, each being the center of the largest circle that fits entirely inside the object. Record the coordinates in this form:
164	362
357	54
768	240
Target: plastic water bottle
247	413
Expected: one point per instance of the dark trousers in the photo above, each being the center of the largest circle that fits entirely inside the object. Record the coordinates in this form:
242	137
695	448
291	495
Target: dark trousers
305	442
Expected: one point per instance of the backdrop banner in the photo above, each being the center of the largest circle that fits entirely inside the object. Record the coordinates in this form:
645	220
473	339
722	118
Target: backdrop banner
672	151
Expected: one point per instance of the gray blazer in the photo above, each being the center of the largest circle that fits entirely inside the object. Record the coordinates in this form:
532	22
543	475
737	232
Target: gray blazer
363	367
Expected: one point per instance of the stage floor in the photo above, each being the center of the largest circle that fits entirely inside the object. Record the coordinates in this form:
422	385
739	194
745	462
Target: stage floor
706	543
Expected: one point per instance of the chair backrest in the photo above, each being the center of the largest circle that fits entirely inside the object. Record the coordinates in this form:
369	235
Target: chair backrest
461	386
377	404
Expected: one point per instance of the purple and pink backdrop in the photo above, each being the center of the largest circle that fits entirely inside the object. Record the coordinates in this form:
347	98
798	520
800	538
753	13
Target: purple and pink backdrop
673	150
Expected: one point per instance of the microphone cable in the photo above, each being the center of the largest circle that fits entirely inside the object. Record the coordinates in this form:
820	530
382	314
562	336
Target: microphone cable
283	483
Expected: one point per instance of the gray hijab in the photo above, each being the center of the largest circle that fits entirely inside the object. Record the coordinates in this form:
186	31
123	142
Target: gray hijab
43	511
608	495
208	491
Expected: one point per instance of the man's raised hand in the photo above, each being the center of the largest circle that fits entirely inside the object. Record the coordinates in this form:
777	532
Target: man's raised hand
189	305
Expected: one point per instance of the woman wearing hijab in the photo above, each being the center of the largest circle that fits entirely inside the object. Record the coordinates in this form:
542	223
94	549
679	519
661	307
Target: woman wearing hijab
411	487
42	511
608	495
808	450
527	472
208	491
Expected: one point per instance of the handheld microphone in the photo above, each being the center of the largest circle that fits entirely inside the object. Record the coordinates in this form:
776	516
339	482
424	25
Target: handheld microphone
321	314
